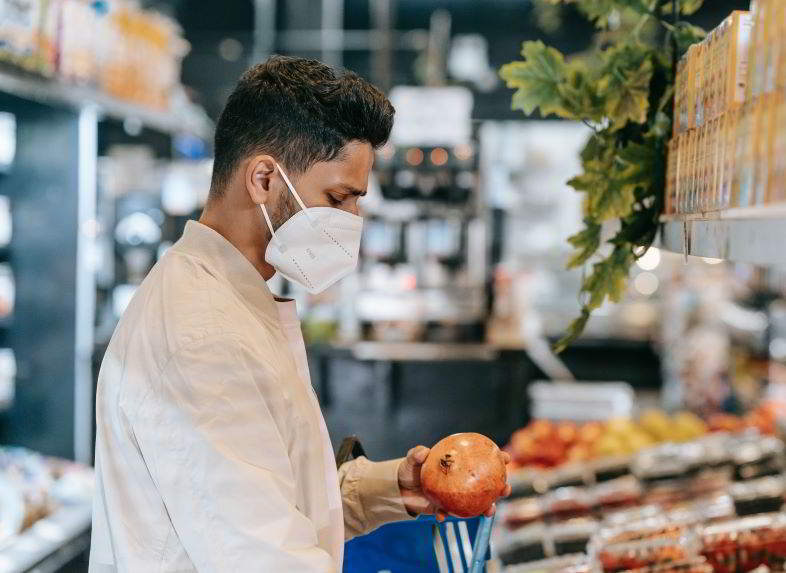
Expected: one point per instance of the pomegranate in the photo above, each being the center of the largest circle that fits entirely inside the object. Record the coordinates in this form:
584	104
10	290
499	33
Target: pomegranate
463	474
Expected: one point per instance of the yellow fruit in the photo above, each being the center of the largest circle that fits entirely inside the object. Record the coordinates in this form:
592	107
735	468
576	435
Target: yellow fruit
620	426
610	445
639	440
689	425
657	424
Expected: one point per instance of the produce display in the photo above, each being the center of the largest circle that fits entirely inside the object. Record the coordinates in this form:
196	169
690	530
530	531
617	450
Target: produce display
464	474
708	504
745	544
546	444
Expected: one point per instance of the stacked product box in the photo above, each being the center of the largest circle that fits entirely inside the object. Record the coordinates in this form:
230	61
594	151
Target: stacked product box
729	145
710	86
114	45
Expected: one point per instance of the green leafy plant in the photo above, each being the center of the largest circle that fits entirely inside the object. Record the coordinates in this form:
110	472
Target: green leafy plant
622	88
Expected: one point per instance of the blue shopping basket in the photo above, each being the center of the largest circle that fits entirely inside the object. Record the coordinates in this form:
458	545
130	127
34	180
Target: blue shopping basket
422	545
419	546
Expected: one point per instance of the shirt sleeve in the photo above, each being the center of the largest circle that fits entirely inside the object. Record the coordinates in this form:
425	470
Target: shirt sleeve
211	437
370	495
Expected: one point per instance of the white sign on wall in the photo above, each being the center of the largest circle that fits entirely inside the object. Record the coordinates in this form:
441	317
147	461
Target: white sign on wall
431	116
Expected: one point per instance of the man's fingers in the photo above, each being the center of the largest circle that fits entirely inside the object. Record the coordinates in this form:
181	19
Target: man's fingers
417	455
506	457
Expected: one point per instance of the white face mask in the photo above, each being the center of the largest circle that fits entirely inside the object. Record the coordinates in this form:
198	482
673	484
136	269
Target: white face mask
315	247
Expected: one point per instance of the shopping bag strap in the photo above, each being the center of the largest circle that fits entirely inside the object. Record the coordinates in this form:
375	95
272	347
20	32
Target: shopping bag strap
350	448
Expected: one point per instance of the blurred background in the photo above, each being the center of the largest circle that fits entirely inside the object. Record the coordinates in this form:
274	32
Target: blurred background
106	116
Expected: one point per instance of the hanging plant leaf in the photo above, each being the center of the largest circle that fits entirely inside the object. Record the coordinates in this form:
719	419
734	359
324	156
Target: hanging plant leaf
626	93
574	331
687	7
687	34
538	79
608	277
586	243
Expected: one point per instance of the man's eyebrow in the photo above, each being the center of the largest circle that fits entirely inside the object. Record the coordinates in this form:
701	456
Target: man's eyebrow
354	191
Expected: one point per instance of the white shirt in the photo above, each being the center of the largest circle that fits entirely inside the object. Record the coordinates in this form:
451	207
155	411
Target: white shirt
211	451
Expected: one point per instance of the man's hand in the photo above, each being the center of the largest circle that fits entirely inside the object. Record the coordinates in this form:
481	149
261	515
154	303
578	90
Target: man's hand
409	484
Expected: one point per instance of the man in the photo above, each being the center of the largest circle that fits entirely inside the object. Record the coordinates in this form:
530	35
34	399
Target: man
212	453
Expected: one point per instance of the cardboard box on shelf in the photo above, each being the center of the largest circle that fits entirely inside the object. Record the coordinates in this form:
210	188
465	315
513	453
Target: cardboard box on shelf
681	115
735	63
671	176
743	157
681	170
730	124
777	180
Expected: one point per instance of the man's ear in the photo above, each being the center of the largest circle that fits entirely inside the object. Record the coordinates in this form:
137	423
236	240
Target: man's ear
259	175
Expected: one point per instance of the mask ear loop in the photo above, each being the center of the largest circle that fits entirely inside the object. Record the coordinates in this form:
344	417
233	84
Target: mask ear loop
281	247
297	197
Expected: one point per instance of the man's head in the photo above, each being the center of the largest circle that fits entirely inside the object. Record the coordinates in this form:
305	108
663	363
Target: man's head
320	126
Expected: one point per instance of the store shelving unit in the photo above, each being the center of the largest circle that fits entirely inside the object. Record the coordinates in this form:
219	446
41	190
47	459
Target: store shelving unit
52	186
58	94
754	235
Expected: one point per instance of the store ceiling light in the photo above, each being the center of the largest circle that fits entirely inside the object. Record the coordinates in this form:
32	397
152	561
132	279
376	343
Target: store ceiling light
711	261
230	49
463	152
414	156
646	283
650	260
439	156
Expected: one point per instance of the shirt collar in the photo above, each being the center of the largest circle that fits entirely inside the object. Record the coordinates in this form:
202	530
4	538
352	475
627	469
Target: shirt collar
222	257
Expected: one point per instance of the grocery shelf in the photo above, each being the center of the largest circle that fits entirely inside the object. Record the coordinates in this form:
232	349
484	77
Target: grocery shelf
749	235
50	92
50	543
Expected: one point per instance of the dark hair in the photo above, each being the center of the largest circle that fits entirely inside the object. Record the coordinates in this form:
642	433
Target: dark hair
301	112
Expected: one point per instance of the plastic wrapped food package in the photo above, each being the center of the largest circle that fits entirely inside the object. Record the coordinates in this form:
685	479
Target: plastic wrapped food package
646	552
665	462
521	511
667	493
522	545
577	563
744	544
705	509
568	502
635	514
569	475
611	468
572	536
693	565
758	456
655	527
619	492
526	482
761	495
717	450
